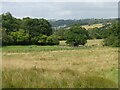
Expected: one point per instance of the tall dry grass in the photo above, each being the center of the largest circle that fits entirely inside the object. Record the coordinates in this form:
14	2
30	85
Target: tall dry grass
95	67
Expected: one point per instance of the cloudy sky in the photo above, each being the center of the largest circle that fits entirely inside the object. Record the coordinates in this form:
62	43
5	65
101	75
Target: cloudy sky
61	10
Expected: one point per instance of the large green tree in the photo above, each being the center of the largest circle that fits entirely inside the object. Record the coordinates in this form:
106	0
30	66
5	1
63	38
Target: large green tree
35	27
76	35
9	22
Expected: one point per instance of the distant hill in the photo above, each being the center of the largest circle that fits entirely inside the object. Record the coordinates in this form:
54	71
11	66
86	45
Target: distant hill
67	23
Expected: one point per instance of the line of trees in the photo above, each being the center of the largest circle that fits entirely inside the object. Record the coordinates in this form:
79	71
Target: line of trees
26	31
69	22
109	32
33	31
113	38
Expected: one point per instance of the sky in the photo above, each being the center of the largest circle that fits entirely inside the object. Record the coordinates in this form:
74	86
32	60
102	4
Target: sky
68	9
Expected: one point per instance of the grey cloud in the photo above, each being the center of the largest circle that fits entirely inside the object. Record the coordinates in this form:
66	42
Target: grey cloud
58	10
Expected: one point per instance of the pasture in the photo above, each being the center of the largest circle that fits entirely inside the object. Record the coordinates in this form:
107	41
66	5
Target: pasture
92	26
89	66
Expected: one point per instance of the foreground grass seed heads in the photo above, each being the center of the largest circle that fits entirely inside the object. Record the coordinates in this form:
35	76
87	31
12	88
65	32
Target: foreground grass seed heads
60	66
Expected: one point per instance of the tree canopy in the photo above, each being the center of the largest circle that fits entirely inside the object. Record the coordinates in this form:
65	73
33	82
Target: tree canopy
24	31
76	35
113	38
34	31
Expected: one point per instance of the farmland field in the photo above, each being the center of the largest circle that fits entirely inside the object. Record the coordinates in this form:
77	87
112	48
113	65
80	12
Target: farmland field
89	66
92	26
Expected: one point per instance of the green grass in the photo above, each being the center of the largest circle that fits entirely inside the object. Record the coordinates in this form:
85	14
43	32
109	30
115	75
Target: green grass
35	78
89	66
35	48
19	49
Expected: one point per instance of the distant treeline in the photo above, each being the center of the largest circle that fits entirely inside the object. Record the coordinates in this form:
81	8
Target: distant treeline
109	32
33	31
62	22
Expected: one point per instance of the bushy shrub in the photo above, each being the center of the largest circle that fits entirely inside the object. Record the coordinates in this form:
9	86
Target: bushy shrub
94	33
34	40
45	40
114	38
20	37
42	39
52	40
112	41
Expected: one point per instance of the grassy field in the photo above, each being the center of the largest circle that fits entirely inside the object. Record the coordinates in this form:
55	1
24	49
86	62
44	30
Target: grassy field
89	66
92	26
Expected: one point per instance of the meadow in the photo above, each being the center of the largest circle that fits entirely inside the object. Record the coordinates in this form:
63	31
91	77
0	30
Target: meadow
92	26
62	66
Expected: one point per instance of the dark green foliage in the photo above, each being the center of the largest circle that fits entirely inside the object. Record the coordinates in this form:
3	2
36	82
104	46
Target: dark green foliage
112	41
42	39
52	40
34	40
35	27
45	40
76	35
60	33
9	22
24	31
39	40
6	39
20	37
114	38
99	33
94	33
